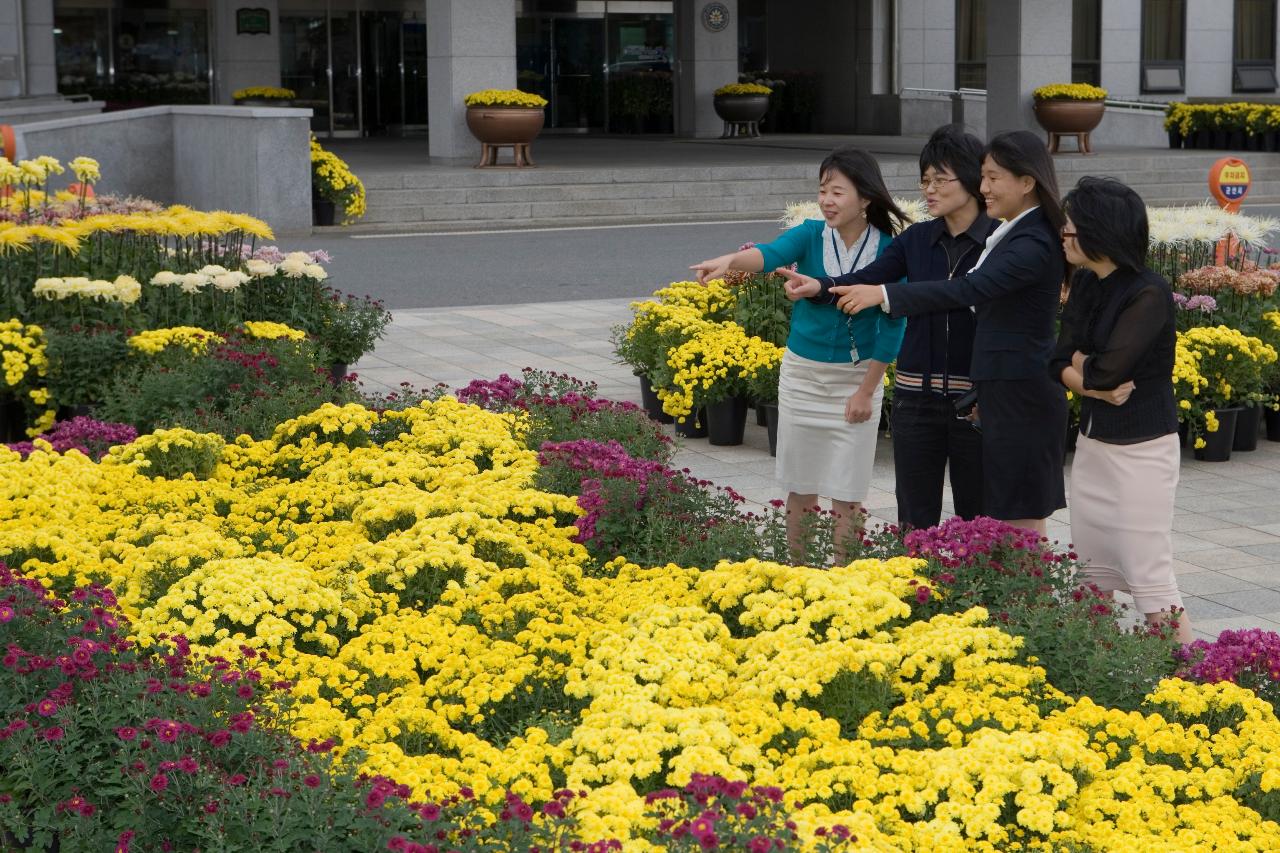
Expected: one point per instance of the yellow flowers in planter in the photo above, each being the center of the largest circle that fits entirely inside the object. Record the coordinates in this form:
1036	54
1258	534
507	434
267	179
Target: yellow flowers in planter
504	98
269	93
717	362
1070	92
333	179
744	89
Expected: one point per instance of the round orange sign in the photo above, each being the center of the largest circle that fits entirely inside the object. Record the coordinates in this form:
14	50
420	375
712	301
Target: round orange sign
1229	180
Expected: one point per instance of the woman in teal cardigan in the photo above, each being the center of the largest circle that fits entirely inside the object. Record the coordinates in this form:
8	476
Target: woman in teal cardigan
832	374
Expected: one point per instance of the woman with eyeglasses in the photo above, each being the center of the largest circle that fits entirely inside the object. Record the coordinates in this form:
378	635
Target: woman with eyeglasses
1116	350
1014	287
933	365
833	368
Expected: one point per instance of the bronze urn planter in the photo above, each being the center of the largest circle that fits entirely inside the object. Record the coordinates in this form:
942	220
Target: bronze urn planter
1067	117
497	127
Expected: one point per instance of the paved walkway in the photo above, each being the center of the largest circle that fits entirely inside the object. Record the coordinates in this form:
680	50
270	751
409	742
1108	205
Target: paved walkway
1226	529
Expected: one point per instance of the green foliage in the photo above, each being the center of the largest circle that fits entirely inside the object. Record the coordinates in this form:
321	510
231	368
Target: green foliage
82	362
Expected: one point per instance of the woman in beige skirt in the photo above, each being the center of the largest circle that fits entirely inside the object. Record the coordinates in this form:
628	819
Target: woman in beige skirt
833	369
1116	350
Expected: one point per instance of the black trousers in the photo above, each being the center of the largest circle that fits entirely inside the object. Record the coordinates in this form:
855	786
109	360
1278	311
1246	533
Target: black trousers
927	436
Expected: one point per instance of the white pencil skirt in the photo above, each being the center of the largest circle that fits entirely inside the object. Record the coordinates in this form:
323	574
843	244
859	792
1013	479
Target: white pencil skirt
1122	518
819	453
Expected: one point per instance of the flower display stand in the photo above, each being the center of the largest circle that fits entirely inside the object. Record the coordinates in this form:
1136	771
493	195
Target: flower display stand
505	127
1064	117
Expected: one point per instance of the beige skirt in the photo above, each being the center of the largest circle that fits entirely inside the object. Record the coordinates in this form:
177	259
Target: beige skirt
819	453
1122	518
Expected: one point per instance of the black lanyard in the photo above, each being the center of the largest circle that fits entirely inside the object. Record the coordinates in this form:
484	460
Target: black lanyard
836	248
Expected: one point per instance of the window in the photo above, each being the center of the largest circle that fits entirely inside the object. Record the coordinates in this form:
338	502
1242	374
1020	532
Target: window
971	44
1086	41
1164	27
1254	46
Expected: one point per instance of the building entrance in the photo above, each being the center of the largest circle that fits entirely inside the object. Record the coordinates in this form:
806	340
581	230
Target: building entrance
601	65
360	65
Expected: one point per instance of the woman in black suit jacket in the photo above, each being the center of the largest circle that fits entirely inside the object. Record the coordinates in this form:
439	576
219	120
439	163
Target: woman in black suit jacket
1014	290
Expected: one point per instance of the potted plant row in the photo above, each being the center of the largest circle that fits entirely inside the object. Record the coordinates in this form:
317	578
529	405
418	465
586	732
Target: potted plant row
1236	126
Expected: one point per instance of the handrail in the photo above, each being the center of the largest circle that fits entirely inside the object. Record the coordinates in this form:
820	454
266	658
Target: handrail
951	92
1152	106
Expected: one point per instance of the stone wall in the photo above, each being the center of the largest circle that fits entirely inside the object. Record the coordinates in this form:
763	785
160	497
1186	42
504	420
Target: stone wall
253	160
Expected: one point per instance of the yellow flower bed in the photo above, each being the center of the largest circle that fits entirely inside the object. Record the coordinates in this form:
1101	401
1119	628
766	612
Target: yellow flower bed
504	98
25	365
267	330
432	611
191	338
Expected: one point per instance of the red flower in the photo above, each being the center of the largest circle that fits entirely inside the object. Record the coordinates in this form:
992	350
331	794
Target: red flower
53	733
6	613
311	780
159	782
122	843
237	779
126	733
47	708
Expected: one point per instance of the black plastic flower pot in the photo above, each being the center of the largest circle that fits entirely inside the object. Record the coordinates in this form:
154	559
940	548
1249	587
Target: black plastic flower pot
726	421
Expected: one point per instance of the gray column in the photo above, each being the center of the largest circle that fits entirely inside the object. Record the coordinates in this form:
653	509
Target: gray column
1028	45
1122	48
471	45
705	61
242	60
27	67
1209	48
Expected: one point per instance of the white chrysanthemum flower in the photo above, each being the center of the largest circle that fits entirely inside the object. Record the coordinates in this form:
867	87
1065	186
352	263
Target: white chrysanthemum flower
212	270
127	289
192	282
315	271
164	278
229	281
260	269
293	267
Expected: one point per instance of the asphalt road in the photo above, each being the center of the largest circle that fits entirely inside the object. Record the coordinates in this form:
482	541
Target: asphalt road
547	265
450	270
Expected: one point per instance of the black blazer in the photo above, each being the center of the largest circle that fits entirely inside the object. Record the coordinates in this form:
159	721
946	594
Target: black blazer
1015	296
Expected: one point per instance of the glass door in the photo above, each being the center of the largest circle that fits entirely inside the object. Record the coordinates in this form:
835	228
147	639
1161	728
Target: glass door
562	59
360	65
304	61
640	78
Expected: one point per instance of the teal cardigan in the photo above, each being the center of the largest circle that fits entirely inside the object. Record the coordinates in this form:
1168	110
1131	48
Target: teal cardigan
823	332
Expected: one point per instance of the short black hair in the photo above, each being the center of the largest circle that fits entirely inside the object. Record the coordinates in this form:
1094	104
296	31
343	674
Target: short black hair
863	172
952	150
1110	221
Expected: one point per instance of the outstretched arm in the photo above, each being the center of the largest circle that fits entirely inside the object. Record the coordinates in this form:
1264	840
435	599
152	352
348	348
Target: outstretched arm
747	260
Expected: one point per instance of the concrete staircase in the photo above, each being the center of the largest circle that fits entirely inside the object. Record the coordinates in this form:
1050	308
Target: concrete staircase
453	199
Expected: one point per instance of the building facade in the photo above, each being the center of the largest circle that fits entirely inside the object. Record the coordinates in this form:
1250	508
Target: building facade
371	67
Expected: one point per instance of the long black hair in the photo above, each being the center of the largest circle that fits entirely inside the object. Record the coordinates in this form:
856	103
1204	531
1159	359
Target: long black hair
862	170
1024	153
952	150
1110	221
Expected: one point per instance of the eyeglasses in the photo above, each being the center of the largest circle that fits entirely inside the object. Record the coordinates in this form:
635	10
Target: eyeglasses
1068	235
938	183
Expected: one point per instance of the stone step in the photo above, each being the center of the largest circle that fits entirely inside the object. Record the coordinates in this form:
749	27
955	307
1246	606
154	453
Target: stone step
455	199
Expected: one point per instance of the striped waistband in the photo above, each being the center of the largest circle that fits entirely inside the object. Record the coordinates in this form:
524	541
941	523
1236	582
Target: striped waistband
908	381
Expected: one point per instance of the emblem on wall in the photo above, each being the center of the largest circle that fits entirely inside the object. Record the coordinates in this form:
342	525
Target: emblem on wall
715	16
